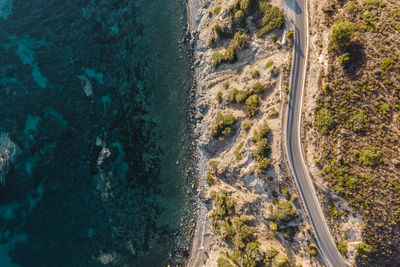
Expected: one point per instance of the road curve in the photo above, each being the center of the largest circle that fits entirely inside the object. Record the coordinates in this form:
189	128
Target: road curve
293	143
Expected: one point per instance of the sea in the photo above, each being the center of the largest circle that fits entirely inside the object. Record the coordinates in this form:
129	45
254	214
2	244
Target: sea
95	141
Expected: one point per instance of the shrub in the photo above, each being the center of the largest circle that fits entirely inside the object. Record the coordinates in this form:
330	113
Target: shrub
273	226
222	125
274	71
252	103
356	121
209	178
272	18
369	156
344	59
270	255
243	232
324	120
365	251
329	7
246	125
258	88
232	95
216	59
342	34
342	247
222	262
262	133
312	250
269	64
383	108
225	85
290	35
223	205
219	96
387	64
273	38
242	95
255	74
335	213
282	261
284	212
239	17
240	40
238	152
217	10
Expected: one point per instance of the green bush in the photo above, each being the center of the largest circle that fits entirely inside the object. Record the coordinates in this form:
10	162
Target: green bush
246	125
219	96
270	255
356	121
243	232
222	262
284	212
225	85
312	251
324	120
335	212
252	103
239	41
273	226
282	261
365	251
387	64
222	125
269	64
369	156
342	247
342	34
242	95
255	74
223	205
383	108
216	59
272	18
290	35
344	59
262	133
217	10
259	88
232	95
209	178
239	17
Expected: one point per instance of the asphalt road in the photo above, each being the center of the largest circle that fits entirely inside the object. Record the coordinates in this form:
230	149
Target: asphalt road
293	142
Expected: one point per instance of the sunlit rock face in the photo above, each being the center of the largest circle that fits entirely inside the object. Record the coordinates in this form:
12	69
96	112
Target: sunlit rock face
93	103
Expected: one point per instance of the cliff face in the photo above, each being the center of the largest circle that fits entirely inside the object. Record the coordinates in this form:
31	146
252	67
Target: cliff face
351	124
249	211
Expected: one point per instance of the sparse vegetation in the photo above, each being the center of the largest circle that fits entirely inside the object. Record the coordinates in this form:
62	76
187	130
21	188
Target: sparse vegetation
269	64
284	212
344	59
342	247
312	250
223	125
324	121
369	156
255	74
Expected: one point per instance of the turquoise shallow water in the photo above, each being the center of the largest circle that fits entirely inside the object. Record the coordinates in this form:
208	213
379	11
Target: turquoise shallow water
95	154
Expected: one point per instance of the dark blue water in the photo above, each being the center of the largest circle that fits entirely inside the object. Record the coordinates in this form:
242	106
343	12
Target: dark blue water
94	144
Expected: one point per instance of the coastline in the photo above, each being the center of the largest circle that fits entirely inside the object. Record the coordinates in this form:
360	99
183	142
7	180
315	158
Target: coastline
199	241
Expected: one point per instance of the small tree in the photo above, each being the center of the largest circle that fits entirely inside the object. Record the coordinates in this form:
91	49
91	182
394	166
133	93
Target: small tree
342	34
